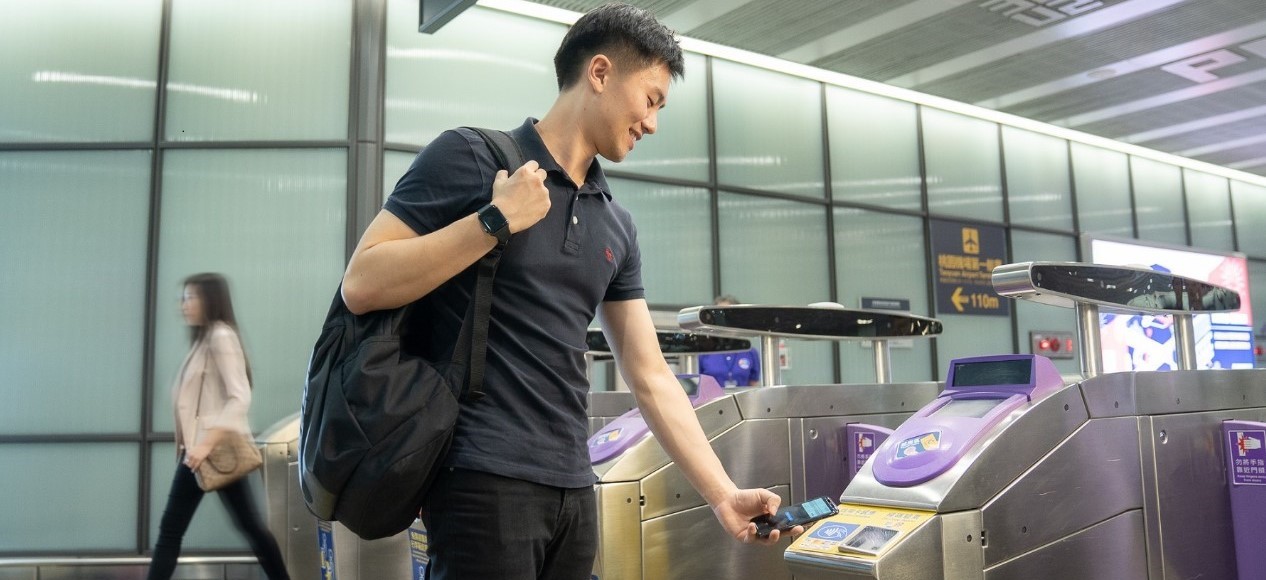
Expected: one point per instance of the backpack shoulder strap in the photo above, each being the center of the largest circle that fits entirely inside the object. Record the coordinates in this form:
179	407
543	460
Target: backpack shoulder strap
475	334
504	148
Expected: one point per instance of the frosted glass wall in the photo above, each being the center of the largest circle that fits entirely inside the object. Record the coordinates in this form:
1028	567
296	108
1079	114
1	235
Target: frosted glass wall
963	169
295	86
764	147
1209	211
73	295
874	149
1038	191
674	231
1158	201
79	71
1102	181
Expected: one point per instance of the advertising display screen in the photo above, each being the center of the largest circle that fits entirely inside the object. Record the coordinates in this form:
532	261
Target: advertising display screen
1146	343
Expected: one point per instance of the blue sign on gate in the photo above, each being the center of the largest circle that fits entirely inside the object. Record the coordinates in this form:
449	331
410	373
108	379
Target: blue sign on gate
325	542
1248	457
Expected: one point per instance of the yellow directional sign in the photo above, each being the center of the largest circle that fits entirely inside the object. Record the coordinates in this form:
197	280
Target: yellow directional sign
964	256
958	299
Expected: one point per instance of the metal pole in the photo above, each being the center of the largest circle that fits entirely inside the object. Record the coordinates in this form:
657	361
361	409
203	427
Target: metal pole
688	363
883	362
1185	342
770	374
1088	347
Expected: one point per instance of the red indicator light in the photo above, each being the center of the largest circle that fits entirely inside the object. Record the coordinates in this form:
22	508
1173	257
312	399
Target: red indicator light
1069	344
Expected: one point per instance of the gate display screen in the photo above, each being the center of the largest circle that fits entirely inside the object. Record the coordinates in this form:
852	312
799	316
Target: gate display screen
993	373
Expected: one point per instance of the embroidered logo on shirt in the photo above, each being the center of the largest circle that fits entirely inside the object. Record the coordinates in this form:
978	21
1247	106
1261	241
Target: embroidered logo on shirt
610	255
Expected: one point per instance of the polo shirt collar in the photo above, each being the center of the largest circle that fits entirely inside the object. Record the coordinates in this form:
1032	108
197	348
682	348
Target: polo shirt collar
534	148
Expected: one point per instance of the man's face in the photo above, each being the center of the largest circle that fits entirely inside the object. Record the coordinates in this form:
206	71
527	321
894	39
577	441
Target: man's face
629	109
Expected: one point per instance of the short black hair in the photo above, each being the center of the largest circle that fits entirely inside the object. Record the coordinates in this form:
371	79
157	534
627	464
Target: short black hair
623	32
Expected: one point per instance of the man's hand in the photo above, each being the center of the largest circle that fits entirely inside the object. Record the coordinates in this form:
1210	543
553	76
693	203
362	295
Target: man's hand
736	510
521	197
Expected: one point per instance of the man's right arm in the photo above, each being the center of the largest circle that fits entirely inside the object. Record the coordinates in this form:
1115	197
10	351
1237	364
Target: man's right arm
393	266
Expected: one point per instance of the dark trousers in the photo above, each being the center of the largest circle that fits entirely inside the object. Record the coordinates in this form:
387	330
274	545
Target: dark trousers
181	505
484	527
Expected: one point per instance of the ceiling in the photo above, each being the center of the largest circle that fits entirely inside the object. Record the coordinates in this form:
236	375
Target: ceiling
1186	77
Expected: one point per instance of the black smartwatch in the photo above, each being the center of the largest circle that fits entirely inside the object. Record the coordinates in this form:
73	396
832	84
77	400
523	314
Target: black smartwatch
494	223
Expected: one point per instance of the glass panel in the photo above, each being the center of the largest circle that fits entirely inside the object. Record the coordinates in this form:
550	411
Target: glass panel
1102	179
488	80
79	71
1249	203
1037	179
211	528
757	237
76	226
1209	211
394	164
808	362
1034	317
963	172
674	230
769	129
259	69
882	256
53	505
273	222
971	336
1158	201
874	149
679	147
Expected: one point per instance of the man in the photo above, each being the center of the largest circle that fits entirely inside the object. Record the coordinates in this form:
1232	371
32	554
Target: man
515	497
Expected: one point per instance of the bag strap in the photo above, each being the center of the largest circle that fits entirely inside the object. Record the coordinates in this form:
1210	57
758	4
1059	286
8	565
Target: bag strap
509	157
197	410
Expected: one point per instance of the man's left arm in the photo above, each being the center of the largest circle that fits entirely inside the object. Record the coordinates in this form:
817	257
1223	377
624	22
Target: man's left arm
631	333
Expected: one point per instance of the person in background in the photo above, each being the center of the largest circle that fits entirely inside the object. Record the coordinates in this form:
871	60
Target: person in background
514	499
211	396
731	369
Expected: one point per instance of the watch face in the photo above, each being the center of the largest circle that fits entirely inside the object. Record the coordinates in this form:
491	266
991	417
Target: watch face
494	222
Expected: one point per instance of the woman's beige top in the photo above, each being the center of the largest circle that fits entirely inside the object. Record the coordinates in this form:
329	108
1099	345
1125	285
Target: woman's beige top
216	368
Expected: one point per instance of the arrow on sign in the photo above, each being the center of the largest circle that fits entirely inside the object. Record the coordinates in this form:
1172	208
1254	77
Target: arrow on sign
958	299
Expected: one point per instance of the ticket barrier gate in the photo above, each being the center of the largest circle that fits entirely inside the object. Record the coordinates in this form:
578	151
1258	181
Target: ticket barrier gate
288	518
1012	474
789	439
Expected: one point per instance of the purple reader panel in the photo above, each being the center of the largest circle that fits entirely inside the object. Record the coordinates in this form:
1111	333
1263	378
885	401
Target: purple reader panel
1245	444
862	441
629	428
979	393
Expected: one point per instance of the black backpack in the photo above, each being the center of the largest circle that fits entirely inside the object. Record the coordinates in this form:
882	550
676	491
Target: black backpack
377	421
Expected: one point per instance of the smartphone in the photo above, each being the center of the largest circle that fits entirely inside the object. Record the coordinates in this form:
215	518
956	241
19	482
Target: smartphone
796	515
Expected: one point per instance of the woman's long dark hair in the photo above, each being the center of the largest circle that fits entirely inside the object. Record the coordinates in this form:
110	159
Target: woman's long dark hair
217	306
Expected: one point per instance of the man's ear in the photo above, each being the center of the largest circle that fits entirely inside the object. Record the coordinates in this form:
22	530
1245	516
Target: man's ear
599	71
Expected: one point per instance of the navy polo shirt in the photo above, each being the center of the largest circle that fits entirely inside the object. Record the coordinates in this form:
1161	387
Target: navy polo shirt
532	424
